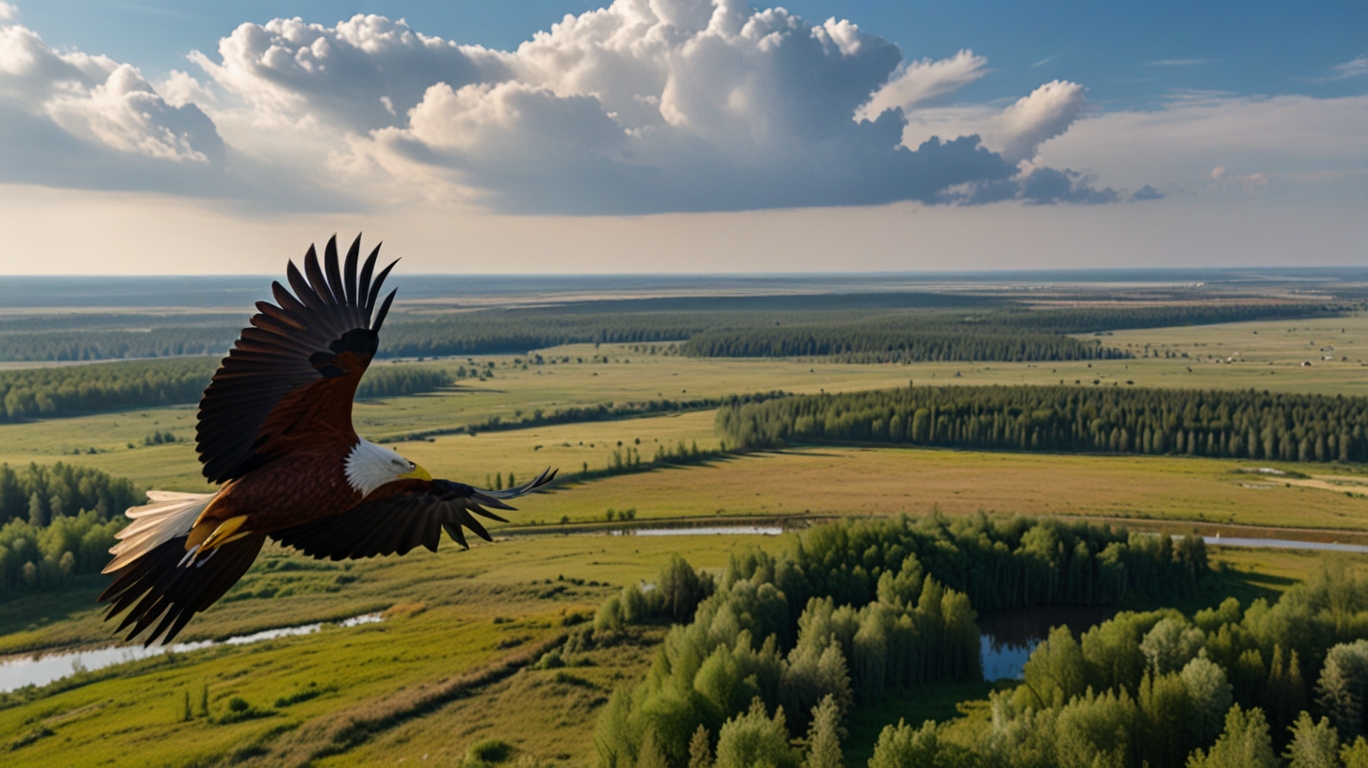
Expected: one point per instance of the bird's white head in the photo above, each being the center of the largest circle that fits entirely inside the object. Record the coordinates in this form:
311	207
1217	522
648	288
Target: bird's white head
370	466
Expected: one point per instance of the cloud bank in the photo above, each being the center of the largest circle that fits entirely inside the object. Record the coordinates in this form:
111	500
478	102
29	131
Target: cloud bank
646	106
80	120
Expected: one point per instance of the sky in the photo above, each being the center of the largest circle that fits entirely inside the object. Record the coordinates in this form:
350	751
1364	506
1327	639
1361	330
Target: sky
682	136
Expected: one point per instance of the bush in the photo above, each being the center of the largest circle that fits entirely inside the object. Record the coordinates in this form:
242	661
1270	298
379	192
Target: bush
489	751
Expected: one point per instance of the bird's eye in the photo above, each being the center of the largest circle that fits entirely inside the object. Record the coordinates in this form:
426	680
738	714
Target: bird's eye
412	466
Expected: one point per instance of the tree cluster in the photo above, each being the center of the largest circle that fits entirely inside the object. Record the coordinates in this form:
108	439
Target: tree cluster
1222	423
873	343
398	380
39	494
853	611
66	391
115	344
47	557
57	522
50	392
1232	686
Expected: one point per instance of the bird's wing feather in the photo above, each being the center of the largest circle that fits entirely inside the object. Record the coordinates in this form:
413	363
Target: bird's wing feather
298	364
401	516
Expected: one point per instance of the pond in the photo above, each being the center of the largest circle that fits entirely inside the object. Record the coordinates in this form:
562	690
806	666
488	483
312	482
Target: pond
1006	638
43	669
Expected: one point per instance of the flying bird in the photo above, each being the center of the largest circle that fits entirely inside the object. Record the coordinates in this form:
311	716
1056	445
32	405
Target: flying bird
275	431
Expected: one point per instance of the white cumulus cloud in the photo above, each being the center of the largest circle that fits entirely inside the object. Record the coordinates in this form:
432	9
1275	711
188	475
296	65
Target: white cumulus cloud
640	107
1015	132
68	116
923	81
1046	113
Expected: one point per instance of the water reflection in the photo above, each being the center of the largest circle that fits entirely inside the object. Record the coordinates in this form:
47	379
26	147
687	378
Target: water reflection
1006	638
41	670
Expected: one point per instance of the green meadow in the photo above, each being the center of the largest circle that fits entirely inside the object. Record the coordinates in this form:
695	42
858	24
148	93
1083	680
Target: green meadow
449	666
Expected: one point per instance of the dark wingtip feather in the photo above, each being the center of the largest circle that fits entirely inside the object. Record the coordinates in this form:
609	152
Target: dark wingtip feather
363	287
349	279
334	275
384	310
302	290
379	282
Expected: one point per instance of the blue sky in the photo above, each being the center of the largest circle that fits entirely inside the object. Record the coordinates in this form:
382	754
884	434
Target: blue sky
896	136
1126	52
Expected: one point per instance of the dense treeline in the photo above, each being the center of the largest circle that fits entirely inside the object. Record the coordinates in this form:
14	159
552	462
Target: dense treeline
853	611
1098	319
39	493
1002	335
1233	424
57	522
100	344
1231	686
47	557
116	321
398	380
48	392
52	392
877	344
868	327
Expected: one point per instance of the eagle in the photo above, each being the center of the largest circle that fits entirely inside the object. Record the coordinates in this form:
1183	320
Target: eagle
275	433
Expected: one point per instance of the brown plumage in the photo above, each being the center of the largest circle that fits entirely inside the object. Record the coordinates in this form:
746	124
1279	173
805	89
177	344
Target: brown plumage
275	430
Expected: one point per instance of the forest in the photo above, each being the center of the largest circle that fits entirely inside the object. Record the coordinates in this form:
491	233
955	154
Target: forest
1244	424
853	611
914	326
881	344
1001	335
56	522
69	390
1232	686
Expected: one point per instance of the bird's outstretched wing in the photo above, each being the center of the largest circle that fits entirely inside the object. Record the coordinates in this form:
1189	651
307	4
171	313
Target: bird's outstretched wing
401	516
295	371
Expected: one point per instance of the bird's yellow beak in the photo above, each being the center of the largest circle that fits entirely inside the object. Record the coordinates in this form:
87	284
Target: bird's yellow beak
417	473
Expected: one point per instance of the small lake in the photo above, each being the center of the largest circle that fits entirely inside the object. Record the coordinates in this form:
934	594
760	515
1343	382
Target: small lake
1006	638
43	669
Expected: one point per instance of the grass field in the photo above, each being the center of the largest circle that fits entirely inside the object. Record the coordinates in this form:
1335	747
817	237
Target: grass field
449	614
1270	355
442	633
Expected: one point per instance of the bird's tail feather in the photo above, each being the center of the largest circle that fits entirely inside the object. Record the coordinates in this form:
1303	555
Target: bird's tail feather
152	574
164	588
168	515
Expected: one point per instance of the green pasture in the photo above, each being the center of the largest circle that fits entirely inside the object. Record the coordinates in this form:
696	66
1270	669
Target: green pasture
1269	357
446	614
442	608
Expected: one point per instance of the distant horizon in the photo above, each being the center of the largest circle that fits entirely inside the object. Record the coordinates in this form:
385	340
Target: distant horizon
210	292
